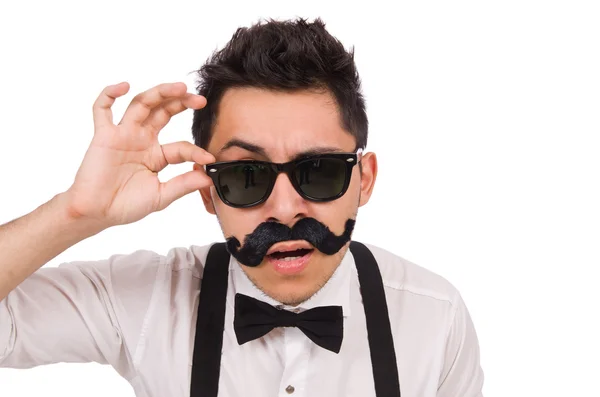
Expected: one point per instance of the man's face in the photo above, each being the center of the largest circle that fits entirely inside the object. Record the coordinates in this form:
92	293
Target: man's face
276	127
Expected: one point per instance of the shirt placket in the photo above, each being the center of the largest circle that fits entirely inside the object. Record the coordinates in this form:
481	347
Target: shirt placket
293	380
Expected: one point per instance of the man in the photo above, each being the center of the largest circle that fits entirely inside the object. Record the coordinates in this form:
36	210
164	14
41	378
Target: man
297	308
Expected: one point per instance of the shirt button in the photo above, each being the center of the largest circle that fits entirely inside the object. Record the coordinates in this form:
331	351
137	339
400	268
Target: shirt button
290	389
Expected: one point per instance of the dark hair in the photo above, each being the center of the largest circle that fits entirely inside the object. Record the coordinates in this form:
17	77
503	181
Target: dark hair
282	56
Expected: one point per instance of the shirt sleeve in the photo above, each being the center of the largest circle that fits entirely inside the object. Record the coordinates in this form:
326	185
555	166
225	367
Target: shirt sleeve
462	374
79	312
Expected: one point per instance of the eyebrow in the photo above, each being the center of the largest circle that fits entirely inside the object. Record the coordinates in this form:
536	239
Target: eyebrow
251	147
316	151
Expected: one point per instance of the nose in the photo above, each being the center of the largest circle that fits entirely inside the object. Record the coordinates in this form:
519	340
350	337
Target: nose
285	205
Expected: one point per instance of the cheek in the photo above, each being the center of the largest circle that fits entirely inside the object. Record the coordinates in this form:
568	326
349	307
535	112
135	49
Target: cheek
235	222
336	213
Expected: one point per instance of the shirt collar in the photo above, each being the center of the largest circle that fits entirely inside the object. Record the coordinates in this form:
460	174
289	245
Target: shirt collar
336	291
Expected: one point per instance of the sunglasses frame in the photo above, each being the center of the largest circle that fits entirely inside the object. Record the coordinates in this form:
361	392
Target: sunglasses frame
350	159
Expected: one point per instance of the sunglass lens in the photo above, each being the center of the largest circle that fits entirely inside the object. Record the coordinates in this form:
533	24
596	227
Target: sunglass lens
321	178
244	184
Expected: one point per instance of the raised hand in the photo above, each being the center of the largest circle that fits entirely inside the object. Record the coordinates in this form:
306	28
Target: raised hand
117	182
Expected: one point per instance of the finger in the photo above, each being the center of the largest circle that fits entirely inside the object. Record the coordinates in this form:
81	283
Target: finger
160	116
142	104
181	185
102	106
179	152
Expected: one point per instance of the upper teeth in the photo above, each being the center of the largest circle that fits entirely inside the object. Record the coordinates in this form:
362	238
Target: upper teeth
285	252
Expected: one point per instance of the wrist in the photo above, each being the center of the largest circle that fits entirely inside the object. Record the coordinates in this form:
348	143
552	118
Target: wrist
70	220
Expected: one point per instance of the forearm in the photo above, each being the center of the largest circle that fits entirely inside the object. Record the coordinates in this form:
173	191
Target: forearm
28	242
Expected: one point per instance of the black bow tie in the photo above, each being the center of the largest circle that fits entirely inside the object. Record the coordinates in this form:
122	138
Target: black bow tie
254	319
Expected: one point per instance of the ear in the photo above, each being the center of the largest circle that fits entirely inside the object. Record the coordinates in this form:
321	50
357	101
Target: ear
368	177
205	194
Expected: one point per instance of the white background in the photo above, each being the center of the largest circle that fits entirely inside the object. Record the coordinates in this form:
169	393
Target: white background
484	116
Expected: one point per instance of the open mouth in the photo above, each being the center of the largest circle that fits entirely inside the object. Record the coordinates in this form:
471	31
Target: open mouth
290	255
290	262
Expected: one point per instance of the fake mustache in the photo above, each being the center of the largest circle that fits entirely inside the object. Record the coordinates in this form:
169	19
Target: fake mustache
257	244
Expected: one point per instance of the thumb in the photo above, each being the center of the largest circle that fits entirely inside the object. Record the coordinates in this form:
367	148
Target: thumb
179	186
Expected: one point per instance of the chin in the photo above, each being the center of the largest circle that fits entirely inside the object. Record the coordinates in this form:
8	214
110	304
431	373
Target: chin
294	297
293	290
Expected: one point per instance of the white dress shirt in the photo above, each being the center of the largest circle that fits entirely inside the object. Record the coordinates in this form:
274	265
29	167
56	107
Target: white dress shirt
137	313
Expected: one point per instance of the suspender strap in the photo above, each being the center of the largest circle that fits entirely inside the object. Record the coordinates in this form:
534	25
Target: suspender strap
210	324
381	344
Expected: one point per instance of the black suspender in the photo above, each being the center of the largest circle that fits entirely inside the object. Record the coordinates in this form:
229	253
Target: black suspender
381	343
210	323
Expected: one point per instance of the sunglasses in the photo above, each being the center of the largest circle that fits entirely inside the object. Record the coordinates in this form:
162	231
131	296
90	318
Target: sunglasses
319	178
